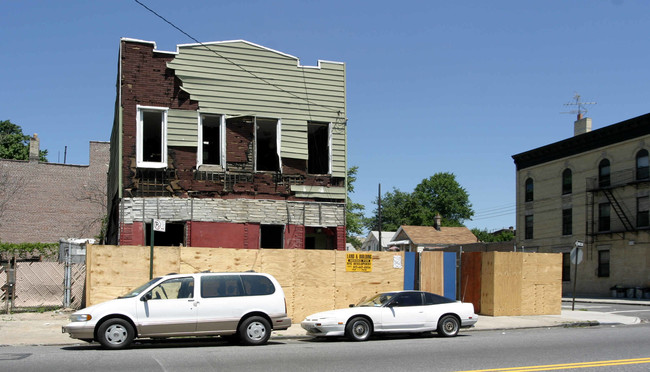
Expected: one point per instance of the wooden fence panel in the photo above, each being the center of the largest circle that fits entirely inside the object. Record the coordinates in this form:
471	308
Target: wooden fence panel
432	272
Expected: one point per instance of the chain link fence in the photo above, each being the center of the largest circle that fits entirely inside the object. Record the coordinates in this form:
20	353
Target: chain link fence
28	285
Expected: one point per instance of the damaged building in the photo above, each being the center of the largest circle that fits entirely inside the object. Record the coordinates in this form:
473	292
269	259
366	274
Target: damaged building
233	144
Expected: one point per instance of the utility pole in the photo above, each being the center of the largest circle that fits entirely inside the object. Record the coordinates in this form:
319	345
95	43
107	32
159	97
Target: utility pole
379	212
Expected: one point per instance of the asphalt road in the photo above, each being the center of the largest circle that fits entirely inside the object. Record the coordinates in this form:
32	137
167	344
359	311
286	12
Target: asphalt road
605	347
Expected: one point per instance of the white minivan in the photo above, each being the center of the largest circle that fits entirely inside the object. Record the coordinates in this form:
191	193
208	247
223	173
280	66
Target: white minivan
247	306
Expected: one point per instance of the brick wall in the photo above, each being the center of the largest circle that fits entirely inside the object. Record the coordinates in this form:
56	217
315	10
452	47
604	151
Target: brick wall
54	200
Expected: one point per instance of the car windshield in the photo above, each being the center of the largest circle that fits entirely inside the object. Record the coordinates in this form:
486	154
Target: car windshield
141	288
377	300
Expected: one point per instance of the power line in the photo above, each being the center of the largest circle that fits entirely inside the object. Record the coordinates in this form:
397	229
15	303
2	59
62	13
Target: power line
238	65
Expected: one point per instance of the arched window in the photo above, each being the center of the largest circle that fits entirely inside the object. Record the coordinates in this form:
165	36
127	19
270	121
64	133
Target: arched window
529	190
603	173
567	182
642	170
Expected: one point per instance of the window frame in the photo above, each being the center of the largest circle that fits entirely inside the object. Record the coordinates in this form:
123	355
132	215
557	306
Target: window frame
643	211
529	223
642	172
329	145
567	182
604	221
529	194
222	139
140	162
604	173
604	259
278	144
567	221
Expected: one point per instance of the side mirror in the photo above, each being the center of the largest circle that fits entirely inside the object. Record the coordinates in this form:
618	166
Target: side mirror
146	297
351	305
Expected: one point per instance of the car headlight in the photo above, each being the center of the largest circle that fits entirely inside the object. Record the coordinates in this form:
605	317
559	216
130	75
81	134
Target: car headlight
80	317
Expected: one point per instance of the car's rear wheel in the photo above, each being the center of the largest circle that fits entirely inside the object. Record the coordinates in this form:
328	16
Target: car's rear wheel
254	331
115	333
448	326
358	329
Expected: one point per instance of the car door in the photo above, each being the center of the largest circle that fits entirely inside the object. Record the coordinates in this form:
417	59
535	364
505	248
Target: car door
221	305
405	312
168	309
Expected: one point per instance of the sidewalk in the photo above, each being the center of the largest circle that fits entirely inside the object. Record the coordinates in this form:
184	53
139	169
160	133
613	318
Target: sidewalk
45	328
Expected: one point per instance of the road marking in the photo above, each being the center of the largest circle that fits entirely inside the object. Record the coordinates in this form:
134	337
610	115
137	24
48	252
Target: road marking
627	311
550	367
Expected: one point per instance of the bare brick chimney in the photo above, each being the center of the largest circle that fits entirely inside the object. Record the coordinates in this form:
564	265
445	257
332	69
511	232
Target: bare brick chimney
34	148
581	126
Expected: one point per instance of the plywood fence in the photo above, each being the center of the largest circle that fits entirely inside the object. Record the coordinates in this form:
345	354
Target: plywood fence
313	280
514	283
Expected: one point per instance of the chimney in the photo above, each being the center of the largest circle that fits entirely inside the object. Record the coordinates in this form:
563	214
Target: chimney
34	148
581	126
437	219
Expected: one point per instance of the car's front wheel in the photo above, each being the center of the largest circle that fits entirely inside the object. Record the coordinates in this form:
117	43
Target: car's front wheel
448	326
115	333
358	329
254	331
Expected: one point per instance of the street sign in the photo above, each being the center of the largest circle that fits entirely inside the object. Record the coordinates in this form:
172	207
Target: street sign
159	225
579	243
576	255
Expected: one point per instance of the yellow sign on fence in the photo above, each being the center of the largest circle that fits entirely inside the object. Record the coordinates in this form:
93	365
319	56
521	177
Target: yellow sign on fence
359	262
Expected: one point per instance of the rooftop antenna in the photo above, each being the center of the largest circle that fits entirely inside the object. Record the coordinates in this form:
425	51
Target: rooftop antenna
581	106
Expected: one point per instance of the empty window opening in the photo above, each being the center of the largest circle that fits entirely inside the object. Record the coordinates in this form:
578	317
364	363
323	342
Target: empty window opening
271	236
318	148
266	135
151	146
174	235
210	139
319	238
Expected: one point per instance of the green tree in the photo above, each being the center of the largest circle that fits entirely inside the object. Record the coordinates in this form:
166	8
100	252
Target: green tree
486	237
441	194
438	194
14	144
396	210
353	212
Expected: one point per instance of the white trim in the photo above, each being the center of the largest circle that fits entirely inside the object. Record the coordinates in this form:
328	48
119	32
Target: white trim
222	140
330	128
278	138
139	137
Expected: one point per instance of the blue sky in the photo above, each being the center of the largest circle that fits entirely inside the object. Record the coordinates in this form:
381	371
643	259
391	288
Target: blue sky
432	86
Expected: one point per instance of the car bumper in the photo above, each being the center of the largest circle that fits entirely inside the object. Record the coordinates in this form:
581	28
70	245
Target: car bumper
281	323
469	322
79	330
317	328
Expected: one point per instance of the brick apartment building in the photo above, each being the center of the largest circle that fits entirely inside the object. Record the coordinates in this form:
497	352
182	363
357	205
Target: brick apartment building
44	202
232	144
592	188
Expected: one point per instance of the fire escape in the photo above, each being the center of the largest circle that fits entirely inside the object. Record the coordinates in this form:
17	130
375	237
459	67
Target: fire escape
619	189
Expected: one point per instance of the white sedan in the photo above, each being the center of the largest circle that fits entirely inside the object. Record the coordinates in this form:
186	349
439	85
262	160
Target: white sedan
397	312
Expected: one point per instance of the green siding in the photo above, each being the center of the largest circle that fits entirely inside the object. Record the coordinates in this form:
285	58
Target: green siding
182	128
220	80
